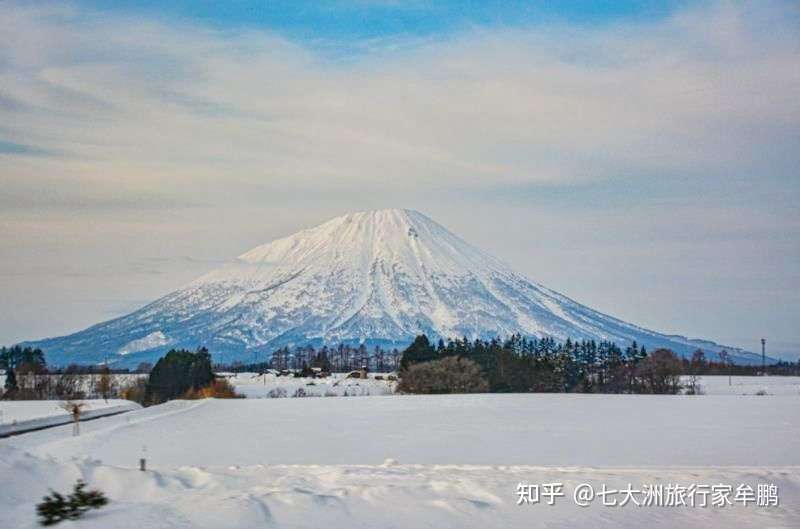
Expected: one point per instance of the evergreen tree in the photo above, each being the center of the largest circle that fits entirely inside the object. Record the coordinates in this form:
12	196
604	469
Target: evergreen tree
16	355
419	351
178	372
11	382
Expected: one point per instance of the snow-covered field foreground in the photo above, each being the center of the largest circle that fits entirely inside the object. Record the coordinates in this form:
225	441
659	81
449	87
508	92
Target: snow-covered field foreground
414	461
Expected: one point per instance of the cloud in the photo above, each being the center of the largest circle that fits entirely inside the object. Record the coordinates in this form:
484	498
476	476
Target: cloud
17	149
193	110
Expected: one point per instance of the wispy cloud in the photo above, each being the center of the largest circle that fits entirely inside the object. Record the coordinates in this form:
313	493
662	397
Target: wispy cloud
18	149
708	91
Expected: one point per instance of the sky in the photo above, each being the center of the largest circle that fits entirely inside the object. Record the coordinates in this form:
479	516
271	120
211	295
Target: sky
640	157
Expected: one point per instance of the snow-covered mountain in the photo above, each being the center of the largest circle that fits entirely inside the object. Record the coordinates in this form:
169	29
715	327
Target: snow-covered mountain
379	277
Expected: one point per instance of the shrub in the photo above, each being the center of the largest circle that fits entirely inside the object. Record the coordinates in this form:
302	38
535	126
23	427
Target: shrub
695	390
277	393
659	373
55	508
448	375
219	388
134	390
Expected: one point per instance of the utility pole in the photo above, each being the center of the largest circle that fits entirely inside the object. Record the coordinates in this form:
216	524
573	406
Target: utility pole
763	356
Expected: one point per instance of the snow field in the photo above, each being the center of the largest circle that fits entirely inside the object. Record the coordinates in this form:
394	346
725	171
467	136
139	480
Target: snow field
747	385
412	461
485	429
374	496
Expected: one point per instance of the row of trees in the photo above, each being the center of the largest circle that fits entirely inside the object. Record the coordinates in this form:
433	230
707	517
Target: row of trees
518	364
18	356
522	365
720	364
179	374
28	378
65	385
340	359
22	358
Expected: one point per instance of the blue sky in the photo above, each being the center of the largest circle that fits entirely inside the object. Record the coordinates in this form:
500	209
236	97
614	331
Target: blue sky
354	20
346	30
640	157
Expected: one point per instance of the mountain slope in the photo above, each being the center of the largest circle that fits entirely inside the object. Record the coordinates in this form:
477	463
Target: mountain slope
379	277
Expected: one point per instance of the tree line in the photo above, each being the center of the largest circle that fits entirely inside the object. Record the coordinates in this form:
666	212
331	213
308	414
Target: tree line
29	378
517	364
336	359
523	365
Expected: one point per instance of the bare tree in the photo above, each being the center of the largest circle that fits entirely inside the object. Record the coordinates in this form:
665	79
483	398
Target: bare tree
659	373
448	375
68	384
74	409
105	385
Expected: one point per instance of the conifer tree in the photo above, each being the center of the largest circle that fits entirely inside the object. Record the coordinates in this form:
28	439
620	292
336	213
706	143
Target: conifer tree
419	351
11	383
178	372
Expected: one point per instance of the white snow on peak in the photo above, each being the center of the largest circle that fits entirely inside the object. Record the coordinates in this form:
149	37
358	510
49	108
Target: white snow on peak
387	234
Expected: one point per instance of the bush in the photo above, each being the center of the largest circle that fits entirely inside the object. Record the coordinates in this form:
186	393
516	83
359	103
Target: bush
220	388
659	373
55	508
448	375
134	390
277	393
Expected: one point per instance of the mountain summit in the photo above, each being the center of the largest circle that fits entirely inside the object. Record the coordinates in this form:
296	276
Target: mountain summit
375	277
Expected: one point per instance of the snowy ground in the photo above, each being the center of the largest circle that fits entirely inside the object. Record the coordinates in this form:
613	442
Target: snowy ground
457	461
746	385
254	385
20	415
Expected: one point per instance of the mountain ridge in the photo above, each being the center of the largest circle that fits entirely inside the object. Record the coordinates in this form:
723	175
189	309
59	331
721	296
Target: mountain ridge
377	277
